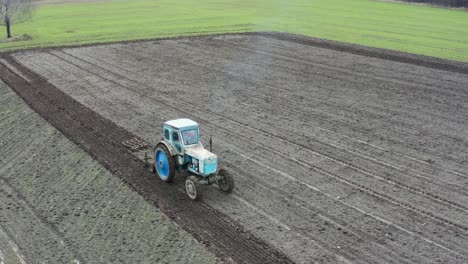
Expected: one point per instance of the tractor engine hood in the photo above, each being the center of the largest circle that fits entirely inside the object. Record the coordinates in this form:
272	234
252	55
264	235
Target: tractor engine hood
200	153
207	161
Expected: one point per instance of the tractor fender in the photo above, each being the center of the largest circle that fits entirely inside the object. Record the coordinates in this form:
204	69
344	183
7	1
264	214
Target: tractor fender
171	149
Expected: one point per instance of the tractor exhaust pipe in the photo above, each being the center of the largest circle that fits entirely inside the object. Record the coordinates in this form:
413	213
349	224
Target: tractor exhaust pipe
211	145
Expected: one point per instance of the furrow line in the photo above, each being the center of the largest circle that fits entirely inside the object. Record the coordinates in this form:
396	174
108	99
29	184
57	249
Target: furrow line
285	140
382	163
357	140
295	60
385	221
222	234
182	50
152	98
13	246
324	65
337	177
66	243
257	209
262	212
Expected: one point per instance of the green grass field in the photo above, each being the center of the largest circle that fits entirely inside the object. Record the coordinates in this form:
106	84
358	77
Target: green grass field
417	29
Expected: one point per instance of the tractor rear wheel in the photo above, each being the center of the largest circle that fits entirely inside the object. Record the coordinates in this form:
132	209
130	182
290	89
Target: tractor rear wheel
193	188
225	182
164	163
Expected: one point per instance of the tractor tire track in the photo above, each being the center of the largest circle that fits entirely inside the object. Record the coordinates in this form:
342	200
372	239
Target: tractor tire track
342	179
321	66
306	114
411	158
142	120
366	171
380	162
221	234
167	105
67	245
268	134
440	236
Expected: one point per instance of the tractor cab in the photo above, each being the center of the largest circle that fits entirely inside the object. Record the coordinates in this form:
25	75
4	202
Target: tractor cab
182	136
181	133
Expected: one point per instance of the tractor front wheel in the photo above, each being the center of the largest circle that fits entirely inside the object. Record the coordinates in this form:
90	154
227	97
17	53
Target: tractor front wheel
164	163
193	188
225	181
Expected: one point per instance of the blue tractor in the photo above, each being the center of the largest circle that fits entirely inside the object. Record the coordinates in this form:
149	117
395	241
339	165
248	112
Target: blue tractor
181	150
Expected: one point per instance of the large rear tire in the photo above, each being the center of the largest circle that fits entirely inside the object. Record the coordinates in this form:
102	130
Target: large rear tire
193	188
225	182
164	163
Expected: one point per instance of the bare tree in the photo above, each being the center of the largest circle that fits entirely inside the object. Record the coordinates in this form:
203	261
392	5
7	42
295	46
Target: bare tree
13	12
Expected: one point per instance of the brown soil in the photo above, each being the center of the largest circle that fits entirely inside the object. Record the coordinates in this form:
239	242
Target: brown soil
341	153
54	197
102	139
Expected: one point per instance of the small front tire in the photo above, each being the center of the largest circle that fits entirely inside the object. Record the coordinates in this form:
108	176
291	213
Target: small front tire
193	188
225	181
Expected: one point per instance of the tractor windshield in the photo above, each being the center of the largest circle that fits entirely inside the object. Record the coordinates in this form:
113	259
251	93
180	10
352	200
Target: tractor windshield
190	137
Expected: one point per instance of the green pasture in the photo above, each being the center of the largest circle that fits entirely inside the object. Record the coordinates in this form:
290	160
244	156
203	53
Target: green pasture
417	29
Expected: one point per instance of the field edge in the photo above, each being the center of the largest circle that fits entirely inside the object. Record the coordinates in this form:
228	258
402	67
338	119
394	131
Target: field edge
380	53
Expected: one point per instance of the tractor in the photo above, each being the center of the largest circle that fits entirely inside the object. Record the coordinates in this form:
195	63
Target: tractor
181	150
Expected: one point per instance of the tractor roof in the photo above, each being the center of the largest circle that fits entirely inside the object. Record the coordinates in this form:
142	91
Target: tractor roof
181	123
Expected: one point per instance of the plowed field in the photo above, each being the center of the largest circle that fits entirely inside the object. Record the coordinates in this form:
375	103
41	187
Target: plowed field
337	157
58	205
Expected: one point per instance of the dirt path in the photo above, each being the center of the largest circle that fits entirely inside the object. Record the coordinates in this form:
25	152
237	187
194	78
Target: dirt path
338	156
